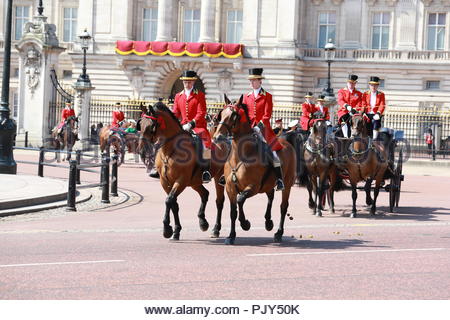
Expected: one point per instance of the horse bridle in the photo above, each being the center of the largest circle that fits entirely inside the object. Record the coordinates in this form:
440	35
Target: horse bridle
233	118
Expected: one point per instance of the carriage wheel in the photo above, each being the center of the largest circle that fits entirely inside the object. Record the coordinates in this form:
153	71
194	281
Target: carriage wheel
392	195
399	177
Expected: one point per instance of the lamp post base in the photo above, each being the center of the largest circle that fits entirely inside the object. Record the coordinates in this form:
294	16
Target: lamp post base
7	133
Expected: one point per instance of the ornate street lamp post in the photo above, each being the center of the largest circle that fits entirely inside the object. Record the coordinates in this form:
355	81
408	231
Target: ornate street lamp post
83	79
7	125
330	52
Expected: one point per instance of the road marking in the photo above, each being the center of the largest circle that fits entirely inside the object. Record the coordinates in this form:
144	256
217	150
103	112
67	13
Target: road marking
57	263
341	252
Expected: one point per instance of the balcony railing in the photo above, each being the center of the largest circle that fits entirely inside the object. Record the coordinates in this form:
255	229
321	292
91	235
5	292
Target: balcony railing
412	56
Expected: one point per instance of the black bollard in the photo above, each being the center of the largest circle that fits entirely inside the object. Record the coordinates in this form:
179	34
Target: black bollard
105	182
78	159
72	187
26	139
41	162
114	176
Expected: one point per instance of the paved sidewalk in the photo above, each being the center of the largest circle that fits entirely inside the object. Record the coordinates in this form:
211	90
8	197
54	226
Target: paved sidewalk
25	190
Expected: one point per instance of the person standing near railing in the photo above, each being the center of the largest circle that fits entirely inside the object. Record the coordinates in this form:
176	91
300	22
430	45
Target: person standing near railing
350	102
374	103
429	140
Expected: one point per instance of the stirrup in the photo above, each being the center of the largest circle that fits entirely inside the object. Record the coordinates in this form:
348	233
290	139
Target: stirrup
279	185
206	176
222	181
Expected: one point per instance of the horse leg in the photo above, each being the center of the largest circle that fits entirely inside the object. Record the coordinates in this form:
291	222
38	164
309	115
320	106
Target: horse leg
330	191
283	209
268	215
319	194
311	203
171	204
245	224
168	231
233	215
204	194
354	197
378	181
220	199
367	188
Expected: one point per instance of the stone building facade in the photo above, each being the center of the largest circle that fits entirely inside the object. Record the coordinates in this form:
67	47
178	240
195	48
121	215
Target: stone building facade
404	42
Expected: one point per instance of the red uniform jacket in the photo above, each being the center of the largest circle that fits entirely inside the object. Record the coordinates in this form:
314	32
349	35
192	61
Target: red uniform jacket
66	113
117	116
325	111
308	110
353	99
193	109
260	109
380	104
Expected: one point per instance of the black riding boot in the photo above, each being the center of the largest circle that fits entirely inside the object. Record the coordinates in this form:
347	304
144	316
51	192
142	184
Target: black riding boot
206	176
280	182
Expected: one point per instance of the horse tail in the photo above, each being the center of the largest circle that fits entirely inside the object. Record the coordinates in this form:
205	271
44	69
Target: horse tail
296	140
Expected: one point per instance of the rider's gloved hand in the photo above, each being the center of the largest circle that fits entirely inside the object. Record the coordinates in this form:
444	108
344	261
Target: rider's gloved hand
349	108
328	123
376	116
187	126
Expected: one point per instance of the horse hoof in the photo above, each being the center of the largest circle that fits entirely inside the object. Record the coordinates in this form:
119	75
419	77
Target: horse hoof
176	237
318	214
229	241
373	212
353	215
245	225
269	225
278	237
168	232
332	211
215	234
311	204
204	225
368	202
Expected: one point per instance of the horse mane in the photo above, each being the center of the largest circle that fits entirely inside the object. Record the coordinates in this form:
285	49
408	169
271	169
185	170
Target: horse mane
245	107
161	107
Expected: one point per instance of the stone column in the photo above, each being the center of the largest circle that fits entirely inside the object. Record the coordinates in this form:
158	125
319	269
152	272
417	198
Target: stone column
85	16
352	34
207	17
165	17
250	27
82	111
39	51
406	16
122	20
287	28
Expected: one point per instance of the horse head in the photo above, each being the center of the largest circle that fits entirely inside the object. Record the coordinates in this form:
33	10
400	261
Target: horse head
159	121
231	118
319	131
359	128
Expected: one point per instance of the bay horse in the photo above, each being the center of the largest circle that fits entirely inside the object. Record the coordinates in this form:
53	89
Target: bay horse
365	160
66	138
246	172
109	138
319	159
178	166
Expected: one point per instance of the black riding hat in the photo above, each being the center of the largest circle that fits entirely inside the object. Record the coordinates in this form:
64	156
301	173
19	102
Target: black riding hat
255	73
352	78
189	75
374	80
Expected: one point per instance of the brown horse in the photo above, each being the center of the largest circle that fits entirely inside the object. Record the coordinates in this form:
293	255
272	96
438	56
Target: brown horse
66	138
366	160
110	138
178	166
247	173
318	156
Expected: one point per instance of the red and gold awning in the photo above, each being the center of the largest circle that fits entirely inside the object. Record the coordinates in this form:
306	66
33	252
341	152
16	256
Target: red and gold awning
192	49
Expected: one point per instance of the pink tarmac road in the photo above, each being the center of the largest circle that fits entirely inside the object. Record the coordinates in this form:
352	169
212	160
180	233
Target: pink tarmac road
120	253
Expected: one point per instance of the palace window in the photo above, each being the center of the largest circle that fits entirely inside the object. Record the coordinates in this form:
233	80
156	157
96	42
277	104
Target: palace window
380	30
22	16
234	26
70	24
191	25
432	85
150	23
436	31
327	28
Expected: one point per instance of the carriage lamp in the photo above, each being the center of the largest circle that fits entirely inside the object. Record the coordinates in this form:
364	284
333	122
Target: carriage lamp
85	39
330	53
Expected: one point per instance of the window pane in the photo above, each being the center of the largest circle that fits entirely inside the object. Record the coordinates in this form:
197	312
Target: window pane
238	33
66	31
385	38
146	14
323	18
146	31
25	12
74	13
231	15
188	15
441	19
153	28
187	32
386	18
376	38
431	37
322	36
432	18
230	33
440	38
331	18
196	32
331	33
239	15
376	19
196	14
154	13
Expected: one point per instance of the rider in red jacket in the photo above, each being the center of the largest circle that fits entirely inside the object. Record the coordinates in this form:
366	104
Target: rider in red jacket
260	106
350	102
65	114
